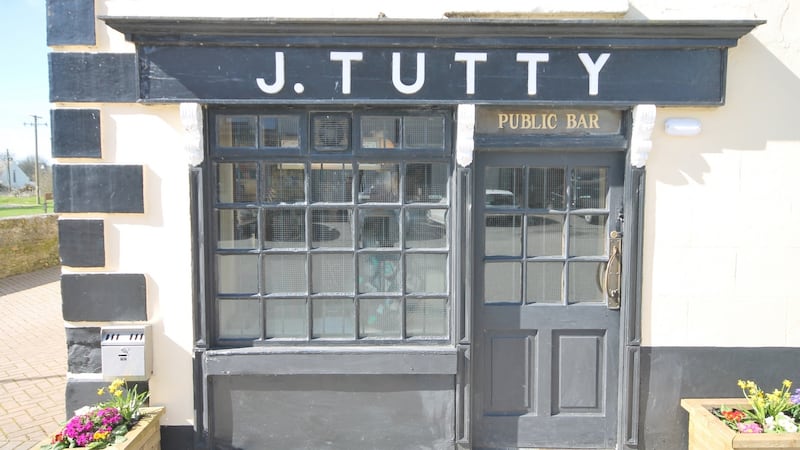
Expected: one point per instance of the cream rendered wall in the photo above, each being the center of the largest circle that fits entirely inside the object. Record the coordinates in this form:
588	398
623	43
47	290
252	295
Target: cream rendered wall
721	216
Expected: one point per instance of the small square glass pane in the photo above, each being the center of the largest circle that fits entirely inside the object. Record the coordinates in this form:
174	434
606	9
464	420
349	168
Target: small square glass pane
331	132
426	228
426	273
332	228
544	282
589	187
378	272
504	187
239	319
502	282
237	274
380	132
236	182
426	317
587	235
503	235
284	228
545	235
284	183
284	273
332	273
584	282
237	228
331	183
280	131
379	227
333	318
286	318
378	183
236	131
423	132
546	188
379	317
426	183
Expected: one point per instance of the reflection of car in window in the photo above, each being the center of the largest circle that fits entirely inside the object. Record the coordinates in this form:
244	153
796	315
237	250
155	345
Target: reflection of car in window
501	198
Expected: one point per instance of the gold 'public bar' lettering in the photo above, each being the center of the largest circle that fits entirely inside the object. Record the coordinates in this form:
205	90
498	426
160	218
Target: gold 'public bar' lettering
547	121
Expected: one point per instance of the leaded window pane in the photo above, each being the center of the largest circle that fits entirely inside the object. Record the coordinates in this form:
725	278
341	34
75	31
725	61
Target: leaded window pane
280	131
426	317
426	273
284	183
237	228
379	272
423	132
239	319
237	274
379	183
332	273
237	131
380	317
331	182
286	318
381	132
236	182
333	318
284	228
284	273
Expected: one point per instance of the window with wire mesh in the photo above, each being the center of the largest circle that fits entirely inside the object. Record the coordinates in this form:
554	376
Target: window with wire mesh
341	250
417	132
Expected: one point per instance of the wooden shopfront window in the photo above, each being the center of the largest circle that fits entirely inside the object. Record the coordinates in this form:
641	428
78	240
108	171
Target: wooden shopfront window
331	226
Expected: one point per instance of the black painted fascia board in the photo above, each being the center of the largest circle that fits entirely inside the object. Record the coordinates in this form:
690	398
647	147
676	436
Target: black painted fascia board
655	33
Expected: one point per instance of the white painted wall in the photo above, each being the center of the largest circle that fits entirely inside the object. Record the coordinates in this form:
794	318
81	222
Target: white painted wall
721	209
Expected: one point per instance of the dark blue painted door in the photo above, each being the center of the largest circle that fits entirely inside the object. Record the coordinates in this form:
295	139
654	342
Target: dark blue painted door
546	337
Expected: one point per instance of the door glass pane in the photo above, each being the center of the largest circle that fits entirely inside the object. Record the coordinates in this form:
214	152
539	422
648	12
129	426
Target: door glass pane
544	282
503	235
426	317
378	272
378	183
379	317
280	131
587	235
426	273
546	188
502	282
426	228
236	131
333	318
380	132
237	228
284	228
426	183
237	274
284	183
284	273
236	182
286	318
504	187
332	228
589	187
331	182
239	319
332	272
584	282
545	235
379	227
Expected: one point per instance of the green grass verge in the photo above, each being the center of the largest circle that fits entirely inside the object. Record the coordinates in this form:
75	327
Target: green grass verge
11	206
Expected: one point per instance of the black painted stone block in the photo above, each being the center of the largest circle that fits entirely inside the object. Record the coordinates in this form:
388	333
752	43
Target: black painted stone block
75	133
177	437
80	393
106	188
81	243
93	77
70	22
104	297
83	350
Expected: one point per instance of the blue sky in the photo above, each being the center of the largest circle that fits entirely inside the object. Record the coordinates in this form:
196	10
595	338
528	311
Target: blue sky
24	87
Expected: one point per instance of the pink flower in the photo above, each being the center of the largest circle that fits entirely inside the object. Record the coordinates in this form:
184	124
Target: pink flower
749	427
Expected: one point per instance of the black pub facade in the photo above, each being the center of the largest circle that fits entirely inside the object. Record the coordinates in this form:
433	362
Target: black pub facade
389	233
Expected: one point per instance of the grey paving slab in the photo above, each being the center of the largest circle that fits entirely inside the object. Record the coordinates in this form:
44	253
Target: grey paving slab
33	358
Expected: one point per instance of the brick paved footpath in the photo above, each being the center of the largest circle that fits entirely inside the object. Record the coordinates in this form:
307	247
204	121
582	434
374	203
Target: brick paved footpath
33	358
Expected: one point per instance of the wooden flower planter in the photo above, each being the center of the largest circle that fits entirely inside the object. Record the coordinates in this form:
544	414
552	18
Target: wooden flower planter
146	435
707	432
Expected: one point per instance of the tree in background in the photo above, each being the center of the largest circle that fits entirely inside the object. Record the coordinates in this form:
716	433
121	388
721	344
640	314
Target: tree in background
28	165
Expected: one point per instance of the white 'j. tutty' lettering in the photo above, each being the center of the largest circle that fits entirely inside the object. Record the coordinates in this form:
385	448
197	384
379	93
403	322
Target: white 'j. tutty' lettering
280	77
470	59
593	69
398	83
346	58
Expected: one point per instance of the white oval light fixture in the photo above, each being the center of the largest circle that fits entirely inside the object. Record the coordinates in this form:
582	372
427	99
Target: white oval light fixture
682	126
